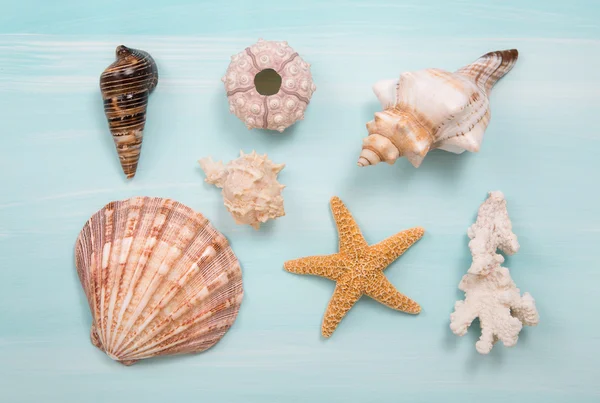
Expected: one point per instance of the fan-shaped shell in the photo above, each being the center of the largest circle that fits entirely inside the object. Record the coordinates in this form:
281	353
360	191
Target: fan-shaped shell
158	277
275	111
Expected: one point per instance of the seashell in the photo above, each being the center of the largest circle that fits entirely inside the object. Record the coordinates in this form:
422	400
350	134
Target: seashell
433	108
250	189
126	85
263	77
159	279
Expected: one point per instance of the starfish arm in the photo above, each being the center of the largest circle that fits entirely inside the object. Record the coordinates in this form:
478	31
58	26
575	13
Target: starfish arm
391	248
381	290
329	266
351	239
344	297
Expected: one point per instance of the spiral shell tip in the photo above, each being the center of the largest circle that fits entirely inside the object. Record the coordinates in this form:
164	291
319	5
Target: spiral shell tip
363	162
121	49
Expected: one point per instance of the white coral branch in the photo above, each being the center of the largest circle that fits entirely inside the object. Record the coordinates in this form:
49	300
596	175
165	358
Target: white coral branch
490	293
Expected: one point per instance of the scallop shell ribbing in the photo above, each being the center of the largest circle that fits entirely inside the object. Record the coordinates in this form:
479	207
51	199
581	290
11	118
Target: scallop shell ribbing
158	277
281	109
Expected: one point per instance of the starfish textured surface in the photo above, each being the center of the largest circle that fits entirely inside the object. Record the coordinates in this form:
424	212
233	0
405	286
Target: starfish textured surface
358	268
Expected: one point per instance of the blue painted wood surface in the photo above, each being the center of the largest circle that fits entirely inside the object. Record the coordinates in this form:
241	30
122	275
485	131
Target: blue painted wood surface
58	166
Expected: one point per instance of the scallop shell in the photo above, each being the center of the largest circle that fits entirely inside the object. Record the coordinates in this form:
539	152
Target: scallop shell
126	85
251	191
159	279
433	108
276	106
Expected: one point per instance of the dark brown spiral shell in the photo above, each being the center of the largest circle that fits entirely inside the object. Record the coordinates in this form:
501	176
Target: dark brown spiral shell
126	85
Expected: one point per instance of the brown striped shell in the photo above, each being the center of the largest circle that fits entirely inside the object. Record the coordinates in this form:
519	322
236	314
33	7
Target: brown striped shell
158	277
126	85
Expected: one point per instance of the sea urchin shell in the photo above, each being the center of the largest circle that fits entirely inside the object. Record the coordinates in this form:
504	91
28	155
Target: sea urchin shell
268	86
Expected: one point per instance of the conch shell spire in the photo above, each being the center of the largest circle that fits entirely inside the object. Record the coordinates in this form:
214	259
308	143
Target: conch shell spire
433	108
126	85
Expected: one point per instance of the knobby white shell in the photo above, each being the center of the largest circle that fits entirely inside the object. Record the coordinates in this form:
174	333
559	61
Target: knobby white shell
251	191
159	279
433	108
280	108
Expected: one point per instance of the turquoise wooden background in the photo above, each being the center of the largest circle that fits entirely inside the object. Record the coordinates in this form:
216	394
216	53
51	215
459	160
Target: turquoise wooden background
58	166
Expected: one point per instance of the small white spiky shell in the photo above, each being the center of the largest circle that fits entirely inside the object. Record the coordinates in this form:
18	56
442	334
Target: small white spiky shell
159	279
272	112
433	108
251	191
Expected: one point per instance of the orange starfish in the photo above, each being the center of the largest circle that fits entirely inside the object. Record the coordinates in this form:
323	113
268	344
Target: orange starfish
358	268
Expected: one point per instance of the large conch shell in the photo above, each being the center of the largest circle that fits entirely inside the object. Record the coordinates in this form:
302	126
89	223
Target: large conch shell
251	191
433	108
268	85
159	279
126	85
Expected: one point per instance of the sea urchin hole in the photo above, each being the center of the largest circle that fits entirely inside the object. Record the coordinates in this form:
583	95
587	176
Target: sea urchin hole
267	82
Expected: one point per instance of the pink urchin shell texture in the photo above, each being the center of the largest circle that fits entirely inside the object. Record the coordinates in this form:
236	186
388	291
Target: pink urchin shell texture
273	112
